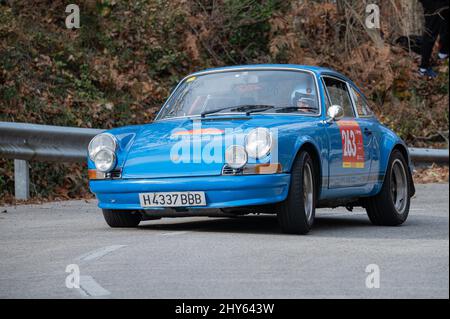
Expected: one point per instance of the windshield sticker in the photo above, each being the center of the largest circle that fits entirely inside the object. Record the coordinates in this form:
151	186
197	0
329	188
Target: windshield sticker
352	144
191	79
244	88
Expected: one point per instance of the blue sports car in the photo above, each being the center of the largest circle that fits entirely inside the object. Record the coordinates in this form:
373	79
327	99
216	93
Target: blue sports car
256	139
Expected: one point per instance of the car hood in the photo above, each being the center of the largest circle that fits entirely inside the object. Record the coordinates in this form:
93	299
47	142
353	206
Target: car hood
166	148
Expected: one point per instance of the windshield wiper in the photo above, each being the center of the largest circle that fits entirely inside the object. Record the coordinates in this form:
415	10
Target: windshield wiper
248	109
295	108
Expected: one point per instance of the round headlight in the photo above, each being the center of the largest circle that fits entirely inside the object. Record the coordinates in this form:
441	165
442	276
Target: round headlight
101	141
105	160
236	156
258	142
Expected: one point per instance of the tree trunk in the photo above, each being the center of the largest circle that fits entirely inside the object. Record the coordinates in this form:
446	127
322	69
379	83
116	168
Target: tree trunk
412	17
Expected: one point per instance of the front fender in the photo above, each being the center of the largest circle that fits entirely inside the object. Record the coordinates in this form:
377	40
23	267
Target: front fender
298	144
125	137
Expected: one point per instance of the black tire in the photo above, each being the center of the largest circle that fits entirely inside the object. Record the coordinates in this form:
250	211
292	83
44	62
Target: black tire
381	208
292	215
120	218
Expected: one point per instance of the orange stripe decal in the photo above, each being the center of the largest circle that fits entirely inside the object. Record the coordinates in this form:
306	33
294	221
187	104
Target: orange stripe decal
203	131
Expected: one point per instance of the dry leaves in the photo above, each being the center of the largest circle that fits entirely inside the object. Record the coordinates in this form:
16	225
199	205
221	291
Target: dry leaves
433	174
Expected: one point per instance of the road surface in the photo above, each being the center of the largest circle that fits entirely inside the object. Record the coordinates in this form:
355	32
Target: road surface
244	257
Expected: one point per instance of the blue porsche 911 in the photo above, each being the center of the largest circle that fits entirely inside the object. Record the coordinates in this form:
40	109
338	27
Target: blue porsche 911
257	139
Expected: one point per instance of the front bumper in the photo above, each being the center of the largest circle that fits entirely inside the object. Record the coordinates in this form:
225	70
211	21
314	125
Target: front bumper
220	191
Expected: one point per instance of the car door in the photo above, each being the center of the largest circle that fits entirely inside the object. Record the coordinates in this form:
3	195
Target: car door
349	148
371	132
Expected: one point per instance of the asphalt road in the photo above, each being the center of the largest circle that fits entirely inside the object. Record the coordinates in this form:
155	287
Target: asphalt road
224	258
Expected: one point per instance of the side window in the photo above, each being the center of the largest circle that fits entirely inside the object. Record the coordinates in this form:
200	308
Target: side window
338	94
362	107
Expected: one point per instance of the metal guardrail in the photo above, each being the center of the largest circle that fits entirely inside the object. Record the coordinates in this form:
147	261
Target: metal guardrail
428	155
33	142
25	142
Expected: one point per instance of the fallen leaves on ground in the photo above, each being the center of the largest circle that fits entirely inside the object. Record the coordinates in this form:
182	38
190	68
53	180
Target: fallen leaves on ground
432	174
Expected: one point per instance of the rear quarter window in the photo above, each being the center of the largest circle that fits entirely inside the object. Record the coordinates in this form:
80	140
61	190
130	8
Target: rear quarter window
362	107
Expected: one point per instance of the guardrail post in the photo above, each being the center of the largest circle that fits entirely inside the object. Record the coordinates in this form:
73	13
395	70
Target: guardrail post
21	179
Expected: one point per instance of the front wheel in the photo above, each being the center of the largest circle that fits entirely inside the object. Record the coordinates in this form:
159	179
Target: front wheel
296	213
121	218
391	206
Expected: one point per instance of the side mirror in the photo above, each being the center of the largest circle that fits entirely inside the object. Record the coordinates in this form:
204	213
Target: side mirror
335	113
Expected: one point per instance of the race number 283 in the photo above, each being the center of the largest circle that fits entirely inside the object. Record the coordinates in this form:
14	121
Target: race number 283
352	144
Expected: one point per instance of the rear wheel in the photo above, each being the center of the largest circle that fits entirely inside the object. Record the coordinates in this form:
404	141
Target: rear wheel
296	213
391	206
121	218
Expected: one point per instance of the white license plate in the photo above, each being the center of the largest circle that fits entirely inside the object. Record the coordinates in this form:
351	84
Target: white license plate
172	199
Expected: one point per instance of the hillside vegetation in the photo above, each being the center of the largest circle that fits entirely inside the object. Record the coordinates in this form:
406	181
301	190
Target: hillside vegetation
118	68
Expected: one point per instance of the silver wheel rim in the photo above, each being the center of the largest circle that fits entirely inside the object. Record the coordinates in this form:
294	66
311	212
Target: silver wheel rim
308	192
399	186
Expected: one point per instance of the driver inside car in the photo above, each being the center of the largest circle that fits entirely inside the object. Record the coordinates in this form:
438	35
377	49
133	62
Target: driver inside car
304	99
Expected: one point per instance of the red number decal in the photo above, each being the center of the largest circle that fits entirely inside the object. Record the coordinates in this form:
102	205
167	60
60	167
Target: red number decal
352	144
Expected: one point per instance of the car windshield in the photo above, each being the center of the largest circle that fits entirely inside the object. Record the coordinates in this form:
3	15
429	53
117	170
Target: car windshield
262	91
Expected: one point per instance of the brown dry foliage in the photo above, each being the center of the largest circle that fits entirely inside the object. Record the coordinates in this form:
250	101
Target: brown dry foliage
432	174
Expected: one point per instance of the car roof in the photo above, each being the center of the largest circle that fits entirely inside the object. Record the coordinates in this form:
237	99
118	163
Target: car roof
318	70
315	69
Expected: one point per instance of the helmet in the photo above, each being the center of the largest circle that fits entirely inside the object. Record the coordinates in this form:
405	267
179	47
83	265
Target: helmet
304	96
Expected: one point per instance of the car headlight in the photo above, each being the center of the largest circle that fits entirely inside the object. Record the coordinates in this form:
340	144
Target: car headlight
236	156
104	160
258	142
101	141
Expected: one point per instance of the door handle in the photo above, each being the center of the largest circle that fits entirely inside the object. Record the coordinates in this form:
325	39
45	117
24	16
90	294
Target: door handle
367	131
